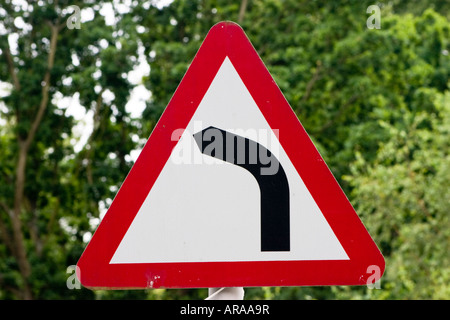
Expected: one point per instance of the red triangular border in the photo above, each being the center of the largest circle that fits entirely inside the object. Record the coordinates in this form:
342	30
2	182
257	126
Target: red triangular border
228	39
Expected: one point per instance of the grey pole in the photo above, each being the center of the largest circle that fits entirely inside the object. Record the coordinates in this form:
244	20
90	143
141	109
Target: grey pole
231	293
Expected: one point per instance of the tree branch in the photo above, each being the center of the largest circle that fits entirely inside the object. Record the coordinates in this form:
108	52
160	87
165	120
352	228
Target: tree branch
4	230
242	10
339	113
311	82
11	68
96	119
46	86
24	145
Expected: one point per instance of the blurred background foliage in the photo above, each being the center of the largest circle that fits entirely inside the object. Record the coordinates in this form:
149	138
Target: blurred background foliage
76	106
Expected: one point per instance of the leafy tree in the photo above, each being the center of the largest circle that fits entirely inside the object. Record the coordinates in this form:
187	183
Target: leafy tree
50	193
375	102
402	196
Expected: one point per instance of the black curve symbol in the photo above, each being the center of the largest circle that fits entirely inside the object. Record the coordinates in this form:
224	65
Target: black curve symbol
273	184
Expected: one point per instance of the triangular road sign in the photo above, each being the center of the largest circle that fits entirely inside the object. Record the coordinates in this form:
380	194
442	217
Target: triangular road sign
228	191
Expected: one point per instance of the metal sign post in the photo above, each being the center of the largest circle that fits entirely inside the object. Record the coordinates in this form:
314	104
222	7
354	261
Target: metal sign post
230	293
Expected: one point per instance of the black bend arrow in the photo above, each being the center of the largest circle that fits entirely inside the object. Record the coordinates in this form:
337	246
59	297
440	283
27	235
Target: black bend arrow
268	172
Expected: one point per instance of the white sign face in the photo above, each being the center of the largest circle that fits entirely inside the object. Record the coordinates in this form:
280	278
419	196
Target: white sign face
203	209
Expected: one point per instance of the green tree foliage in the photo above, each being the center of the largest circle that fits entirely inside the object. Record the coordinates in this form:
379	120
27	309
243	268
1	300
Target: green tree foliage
376	103
50	193
403	196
